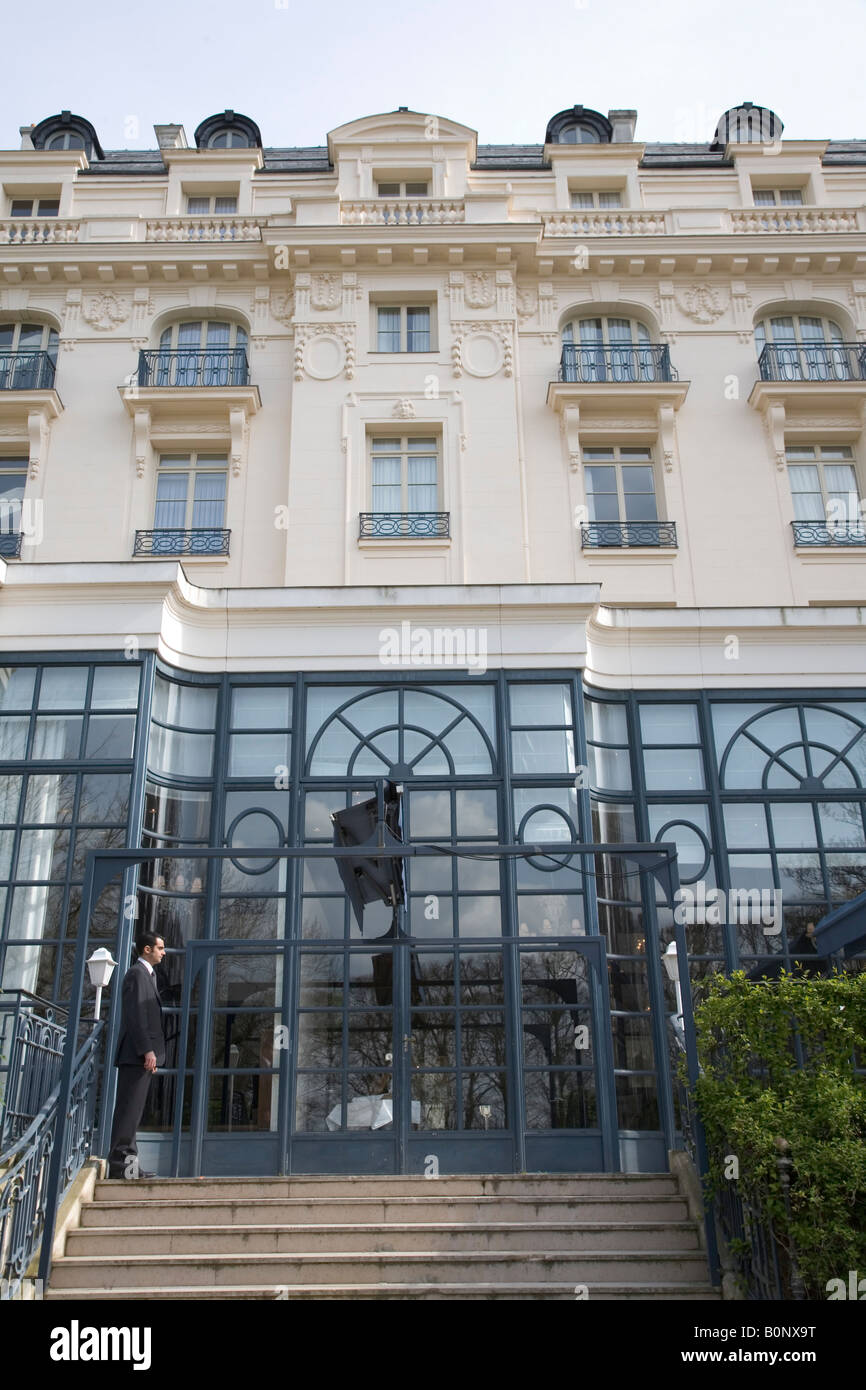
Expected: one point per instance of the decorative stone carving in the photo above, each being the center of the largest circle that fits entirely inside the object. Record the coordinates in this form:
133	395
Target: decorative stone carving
141	428
324	350
326	291
701	303
493	351
37	430
479	290
403	410
104	310
283	306
527	303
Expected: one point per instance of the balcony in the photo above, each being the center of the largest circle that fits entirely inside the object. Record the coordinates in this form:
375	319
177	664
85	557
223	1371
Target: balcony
813	362
605	222
403	212
201	541
229	228
623	534
10	544
829	533
794	218
398	525
26	371
38	231
193	367
589	364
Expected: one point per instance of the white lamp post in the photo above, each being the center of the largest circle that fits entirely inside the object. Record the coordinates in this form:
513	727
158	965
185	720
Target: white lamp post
671	965
101	968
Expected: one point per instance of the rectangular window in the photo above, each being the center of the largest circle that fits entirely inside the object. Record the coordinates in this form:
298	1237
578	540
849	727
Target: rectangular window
620	484
29	207
404	475
595	199
777	197
413	188
207	205
13	480
403	328
824	484
191	492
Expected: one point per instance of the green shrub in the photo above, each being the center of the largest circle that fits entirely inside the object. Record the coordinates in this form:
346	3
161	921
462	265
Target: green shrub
751	1093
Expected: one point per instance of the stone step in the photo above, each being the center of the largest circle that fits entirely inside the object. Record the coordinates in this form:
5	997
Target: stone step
575	1237
633	1185
430	1266
661	1292
160	1210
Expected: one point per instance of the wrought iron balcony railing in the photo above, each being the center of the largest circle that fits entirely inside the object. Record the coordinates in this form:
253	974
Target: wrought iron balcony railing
829	532
26	371
10	545
596	534
586	362
172	541
379	525
194	367
813	362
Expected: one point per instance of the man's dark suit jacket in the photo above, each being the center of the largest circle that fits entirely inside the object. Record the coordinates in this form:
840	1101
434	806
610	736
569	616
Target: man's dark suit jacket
141	1019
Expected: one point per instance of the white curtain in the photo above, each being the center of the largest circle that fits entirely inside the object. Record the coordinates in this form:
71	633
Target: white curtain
386	485
209	503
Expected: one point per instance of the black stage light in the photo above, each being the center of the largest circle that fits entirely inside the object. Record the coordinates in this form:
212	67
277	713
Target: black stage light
368	878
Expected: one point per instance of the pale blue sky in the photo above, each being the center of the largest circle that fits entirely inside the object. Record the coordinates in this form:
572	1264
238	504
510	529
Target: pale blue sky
503	68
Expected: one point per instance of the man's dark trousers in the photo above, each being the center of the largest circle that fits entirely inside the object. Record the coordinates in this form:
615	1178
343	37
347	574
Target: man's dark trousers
141	1031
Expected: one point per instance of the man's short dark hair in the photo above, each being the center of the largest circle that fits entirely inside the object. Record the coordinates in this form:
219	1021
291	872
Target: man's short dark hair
147	938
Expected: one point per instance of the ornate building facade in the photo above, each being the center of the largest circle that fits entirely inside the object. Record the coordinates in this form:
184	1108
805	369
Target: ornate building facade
527	476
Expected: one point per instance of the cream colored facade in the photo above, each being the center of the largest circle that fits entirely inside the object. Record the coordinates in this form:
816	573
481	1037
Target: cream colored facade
503	260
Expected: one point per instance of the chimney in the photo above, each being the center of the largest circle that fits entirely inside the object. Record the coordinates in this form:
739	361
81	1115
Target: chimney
171	137
24	132
623	123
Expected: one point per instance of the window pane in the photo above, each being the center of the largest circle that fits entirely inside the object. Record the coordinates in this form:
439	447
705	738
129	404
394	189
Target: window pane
16	687
209	505
540	704
418	330
198	206
261	707
389	330
63	687
115	687
669	724
170	510
189	706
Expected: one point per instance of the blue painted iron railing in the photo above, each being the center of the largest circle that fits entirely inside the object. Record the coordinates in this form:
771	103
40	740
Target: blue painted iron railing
55	1145
194	367
375	525
10	545
813	362
766	1270
203	540
32	1034
595	534
26	371
588	362
829	532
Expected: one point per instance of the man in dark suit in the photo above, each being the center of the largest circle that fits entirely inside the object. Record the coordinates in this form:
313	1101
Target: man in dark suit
140	1050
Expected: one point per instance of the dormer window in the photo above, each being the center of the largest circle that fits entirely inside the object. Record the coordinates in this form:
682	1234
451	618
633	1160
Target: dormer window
228	131
578	126
66	132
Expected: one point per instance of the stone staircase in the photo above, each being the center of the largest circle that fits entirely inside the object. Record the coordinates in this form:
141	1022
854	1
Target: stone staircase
622	1236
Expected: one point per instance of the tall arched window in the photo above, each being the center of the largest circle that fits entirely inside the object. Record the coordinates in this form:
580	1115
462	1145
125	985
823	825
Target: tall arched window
608	349
203	352
803	347
28	356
